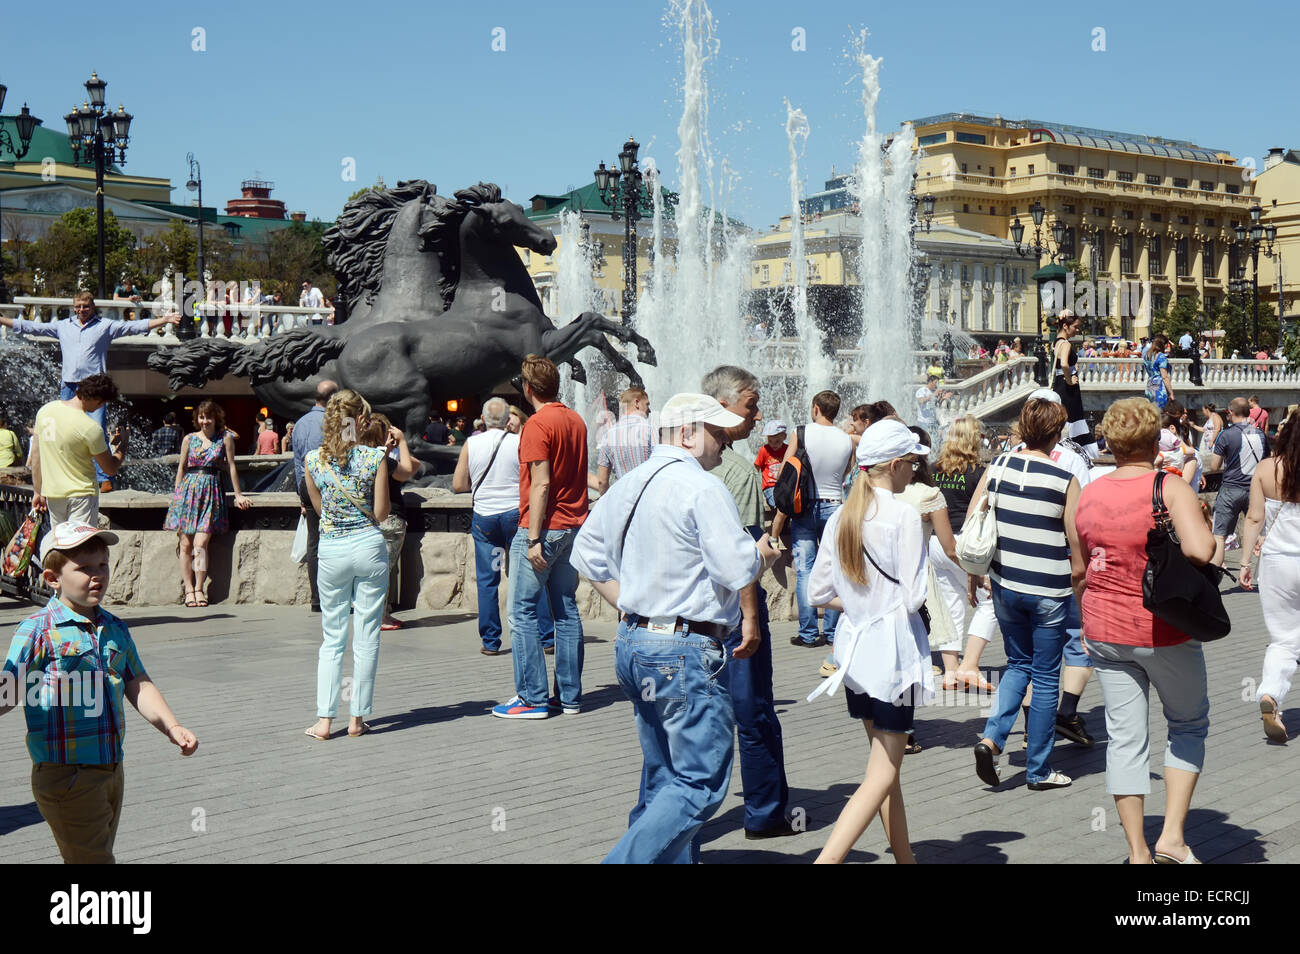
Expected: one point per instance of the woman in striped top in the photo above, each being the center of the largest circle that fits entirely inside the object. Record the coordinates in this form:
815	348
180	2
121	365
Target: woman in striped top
1031	584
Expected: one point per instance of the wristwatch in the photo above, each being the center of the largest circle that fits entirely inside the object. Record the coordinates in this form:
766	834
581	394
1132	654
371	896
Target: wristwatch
531	542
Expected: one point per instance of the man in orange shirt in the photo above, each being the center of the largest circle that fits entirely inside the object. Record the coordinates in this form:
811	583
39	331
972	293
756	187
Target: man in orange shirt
552	507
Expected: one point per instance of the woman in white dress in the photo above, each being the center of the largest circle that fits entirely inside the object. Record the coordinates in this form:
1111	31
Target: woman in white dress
1275	505
872	566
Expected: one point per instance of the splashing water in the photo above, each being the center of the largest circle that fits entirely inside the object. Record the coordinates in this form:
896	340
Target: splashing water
881	184
577	293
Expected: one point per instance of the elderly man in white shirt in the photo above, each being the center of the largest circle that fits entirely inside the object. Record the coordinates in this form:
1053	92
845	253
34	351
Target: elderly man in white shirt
667	548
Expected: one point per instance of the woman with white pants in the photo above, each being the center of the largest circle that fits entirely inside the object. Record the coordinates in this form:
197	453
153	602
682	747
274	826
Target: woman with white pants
1275	499
348	485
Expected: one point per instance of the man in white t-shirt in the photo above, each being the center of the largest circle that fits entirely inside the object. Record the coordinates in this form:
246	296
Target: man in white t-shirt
488	468
830	451
928	397
311	297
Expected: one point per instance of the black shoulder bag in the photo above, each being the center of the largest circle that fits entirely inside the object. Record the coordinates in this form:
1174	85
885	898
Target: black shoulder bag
1182	594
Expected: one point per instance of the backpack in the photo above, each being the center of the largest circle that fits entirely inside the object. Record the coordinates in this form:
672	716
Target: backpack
796	490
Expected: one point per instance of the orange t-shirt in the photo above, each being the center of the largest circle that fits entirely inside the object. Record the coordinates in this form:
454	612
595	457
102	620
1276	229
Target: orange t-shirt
268	443
769	464
1113	518
558	435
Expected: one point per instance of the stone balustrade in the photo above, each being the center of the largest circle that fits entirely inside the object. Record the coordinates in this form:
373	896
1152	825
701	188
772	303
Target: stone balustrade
1242	374
992	390
248	322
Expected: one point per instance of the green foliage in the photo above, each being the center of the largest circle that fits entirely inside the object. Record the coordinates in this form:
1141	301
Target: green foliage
1184	315
297	253
1239	326
70	245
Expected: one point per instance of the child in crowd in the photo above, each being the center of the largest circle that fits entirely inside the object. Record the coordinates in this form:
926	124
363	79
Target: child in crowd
769	458
80	661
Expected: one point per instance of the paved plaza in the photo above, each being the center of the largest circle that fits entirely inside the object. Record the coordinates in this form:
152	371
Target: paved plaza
441	780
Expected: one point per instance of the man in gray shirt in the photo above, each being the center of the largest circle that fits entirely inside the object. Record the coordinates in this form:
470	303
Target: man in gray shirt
307	435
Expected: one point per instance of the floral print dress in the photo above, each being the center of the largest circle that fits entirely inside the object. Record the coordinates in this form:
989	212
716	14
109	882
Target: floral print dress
198	504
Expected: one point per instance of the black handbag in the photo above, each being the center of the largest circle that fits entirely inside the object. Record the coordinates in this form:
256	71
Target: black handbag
1174	589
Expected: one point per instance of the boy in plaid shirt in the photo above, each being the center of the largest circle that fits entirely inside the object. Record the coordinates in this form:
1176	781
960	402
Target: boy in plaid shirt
70	665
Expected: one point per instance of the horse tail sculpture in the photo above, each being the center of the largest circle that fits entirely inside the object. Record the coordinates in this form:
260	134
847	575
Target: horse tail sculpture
288	357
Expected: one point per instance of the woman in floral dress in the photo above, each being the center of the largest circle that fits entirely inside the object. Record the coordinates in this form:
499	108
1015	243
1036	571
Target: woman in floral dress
198	507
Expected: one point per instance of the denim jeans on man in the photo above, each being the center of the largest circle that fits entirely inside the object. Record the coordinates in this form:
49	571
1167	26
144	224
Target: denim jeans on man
353	579
492	538
66	393
1034	634
679	687
528	588
806	531
762	754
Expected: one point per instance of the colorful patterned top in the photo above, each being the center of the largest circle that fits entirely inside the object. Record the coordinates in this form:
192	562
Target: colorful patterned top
338	515
1153	364
58	660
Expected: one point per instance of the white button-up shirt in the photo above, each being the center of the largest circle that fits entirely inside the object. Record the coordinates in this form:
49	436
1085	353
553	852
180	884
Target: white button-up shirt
686	554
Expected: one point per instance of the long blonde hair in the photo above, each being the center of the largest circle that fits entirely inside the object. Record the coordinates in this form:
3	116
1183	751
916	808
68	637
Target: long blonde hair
848	538
342	426
961	451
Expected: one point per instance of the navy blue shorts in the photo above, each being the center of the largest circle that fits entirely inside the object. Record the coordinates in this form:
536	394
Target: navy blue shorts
884	716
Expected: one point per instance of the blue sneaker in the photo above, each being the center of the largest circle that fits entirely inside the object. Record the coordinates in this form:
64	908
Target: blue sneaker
553	704
516	709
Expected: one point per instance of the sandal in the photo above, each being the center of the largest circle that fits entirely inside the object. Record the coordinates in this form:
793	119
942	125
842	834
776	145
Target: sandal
1273	727
310	732
189	599
389	627
365	730
200	600
913	747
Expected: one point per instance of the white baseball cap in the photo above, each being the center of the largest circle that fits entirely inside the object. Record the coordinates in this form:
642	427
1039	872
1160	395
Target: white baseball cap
772	428
886	440
688	408
1045	394
69	535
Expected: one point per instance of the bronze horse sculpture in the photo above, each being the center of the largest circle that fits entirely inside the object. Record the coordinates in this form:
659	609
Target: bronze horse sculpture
443	308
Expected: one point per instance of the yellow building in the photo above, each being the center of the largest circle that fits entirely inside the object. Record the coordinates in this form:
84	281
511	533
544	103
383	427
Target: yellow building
1135	209
1277	189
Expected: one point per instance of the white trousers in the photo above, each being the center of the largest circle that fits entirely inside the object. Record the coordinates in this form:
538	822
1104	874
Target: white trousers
1279	596
952	582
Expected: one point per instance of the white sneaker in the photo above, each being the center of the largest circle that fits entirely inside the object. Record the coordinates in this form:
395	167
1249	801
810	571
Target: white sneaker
1232	543
1055	780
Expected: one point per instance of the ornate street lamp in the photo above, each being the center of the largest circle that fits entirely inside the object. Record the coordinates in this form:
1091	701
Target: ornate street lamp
95	129
25	125
623	190
1042	275
1252	237
195	184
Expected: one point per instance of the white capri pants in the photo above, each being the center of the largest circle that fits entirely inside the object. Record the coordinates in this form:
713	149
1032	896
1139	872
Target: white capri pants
952	582
1279	597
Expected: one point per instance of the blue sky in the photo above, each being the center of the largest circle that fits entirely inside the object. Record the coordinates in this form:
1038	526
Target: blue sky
287	90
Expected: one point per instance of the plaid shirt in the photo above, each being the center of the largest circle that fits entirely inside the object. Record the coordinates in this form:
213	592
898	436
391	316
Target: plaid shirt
626	445
86	725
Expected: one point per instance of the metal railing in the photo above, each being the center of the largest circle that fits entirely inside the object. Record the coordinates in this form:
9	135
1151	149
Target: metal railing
248	322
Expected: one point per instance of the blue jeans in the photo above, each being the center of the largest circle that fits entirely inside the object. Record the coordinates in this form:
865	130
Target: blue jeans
558	583
492	538
67	392
353	578
806	531
762	755
679	689
1034	634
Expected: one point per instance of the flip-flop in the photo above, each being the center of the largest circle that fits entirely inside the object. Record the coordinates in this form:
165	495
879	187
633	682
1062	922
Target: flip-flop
365	730
389	627
1161	858
319	738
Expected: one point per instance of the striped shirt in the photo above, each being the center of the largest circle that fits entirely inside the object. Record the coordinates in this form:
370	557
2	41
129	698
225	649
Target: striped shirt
1032	556
70	675
626	445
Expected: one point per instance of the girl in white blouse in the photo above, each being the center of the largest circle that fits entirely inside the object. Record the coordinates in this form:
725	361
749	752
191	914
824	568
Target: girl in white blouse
873	567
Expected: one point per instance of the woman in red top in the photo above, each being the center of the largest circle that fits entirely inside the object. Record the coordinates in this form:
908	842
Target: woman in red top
1130	648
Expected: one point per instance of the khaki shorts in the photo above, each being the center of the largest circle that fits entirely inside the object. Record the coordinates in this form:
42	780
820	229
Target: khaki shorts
82	805
76	509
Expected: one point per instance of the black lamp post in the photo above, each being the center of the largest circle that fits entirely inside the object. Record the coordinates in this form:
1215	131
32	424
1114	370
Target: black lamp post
923	207
195	184
96	129
1036	213
1252	237
623	190
25	123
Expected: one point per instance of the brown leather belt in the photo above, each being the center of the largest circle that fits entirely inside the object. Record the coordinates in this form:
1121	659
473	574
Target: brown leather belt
683	627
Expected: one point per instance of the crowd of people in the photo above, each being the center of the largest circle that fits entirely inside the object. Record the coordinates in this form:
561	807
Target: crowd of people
684	522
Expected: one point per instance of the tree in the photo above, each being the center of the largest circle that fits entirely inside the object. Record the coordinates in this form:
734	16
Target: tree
71	246
296	254
1172	320
1239	327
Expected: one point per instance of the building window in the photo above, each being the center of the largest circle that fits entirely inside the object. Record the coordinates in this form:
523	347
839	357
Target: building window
785	272
1095	173
1182	220
978	139
764	275
992	211
1234	259
1210	222
1180	258
965	207
1156	257
1128	213
1207	186
1031	172
1232	189
1153	180
1099	247
965	273
1126	253
992	172
1180	183
1012	172
1068	244
1124	176
1098	210
963	168
1157	217
1157	303
1069	209
1207	259
1064	170
1013	211
932	139
1211	305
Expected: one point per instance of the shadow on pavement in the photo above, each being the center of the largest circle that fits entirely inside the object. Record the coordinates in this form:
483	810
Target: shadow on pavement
1212	837
440	619
13	817
432	715
975	847
197	617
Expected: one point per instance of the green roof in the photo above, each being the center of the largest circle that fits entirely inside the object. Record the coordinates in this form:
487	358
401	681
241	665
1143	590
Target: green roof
250	229
587	199
46	142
